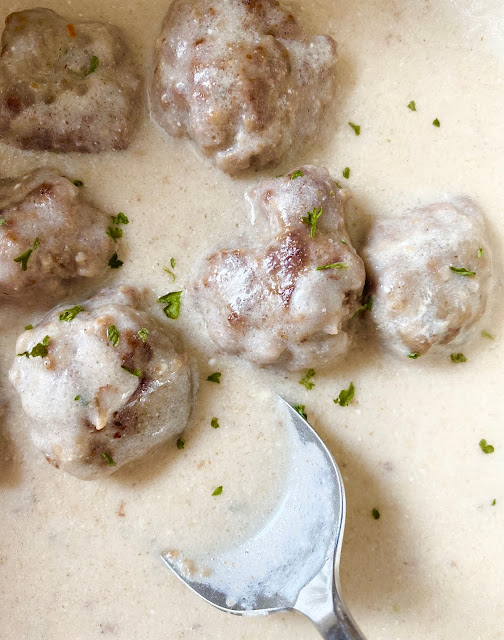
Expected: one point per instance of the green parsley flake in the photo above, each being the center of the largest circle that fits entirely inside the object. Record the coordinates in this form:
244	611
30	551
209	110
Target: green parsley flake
458	357
180	443
172	263
340	186
172	302
375	513
120	218
217	491
39	350
413	356
77	398
143	334
214	423
343	241
480	252
69	314
113	335
93	65
462	271
114	262
485	334
311	219
345	396
24	257
367	306
355	127
486	448
307	380
436	123
115	233
28	327
297	174
78	183
2	222
300	408
334	265
346	172
108	459
134	372
412	105
493	503
215	377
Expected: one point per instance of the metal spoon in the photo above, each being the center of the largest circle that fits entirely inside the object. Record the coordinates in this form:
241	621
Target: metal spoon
293	561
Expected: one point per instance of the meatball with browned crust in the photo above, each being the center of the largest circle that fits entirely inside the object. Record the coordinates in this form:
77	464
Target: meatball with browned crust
429	272
101	383
287	299
66	85
50	237
241	78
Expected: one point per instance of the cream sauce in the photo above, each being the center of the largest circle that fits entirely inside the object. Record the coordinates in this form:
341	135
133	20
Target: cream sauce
82	560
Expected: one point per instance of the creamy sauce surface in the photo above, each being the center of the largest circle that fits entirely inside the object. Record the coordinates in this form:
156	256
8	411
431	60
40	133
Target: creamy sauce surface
82	559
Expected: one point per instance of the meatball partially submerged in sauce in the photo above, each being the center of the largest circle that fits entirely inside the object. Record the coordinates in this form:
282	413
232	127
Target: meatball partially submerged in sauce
102	383
241	78
429	274
287	300
66	86
49	236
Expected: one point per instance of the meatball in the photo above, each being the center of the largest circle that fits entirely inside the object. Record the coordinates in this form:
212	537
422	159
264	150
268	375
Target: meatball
287	299
429	274
241	78
116	383
66	86
49	236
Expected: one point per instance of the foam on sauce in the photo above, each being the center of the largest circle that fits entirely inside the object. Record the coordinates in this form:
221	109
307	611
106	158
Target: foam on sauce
82	560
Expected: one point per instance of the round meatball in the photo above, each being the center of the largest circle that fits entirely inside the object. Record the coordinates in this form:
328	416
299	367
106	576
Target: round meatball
429	274
287	299
116	384
66	86
50	236
240	78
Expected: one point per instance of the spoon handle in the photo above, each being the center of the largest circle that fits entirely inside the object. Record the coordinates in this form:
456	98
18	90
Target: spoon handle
339	625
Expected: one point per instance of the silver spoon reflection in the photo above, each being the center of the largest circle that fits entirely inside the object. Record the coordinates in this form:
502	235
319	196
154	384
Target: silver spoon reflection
292	562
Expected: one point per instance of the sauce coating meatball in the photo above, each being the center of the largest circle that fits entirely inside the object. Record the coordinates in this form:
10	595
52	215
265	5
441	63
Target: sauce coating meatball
429	274
116	383
66	86
287	299
49	236
240	78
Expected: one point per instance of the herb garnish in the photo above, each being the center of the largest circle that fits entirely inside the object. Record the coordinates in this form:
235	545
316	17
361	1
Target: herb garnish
39	350
412	105
24	257
334	265
355	127
485	334
143	334
180	443
78	183
120	218
172	265
493	503
134	372
414	355
93	65
300	408
436	123
108	459
113	336
69	314
2	222
215	377
480	252
114	262
486	448
217	491
77	398
346	172
458	357
172	302
463	271
214	423
375	513
311	219
28	327
115	233
367	306
297	174
345	396
307	380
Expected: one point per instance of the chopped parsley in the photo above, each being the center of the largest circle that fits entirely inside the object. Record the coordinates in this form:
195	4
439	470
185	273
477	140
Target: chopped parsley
458	357
108	459
172	304
307	380
413	356
345	396
375	513
346	172
334	265
338	185
436	123
78	183
367	306
355	127
134	372
493	503
69	314
214	423
217	491
485	334
120	218
115	233
93	65
77	398
311	219
114	262
2	222
180	443
463	271
28	327
486	448
215	377
113	335
343	241
24	257
300	408
296	174
480	252
172	265
143	334
80	399
39	350
412	105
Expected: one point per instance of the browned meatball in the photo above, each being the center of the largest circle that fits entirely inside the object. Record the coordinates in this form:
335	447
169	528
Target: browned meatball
50	236
241	78
287	300
66	85
116	383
